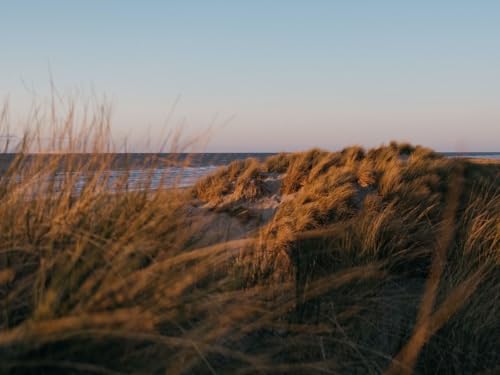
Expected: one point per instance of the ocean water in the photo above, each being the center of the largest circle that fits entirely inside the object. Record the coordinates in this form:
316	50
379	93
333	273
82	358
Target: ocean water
151	171
133	171
482	155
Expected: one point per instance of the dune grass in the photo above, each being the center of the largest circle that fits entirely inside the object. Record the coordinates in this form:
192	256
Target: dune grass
415	216
375	261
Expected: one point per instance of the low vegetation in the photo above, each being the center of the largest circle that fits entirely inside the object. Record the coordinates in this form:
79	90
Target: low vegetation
373	261
417	226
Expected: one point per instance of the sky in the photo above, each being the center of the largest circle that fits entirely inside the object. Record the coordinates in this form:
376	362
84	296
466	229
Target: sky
266	75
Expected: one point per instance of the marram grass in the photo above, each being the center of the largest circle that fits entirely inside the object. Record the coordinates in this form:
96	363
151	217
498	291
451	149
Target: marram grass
378	261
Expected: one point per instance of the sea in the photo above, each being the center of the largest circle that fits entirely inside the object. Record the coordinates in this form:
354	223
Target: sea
150	171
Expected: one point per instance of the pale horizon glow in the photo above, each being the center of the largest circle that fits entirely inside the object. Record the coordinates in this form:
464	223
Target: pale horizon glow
267	76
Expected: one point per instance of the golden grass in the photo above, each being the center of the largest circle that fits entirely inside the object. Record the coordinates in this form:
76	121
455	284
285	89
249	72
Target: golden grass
392	205
385	260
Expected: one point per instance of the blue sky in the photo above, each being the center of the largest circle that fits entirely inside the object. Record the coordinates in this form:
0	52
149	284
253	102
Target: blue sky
271	75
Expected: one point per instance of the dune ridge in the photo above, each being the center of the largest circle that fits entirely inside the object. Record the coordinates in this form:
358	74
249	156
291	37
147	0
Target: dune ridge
358	261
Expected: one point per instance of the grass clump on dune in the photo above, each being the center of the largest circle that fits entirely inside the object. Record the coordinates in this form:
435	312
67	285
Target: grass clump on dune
239	180
393	208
